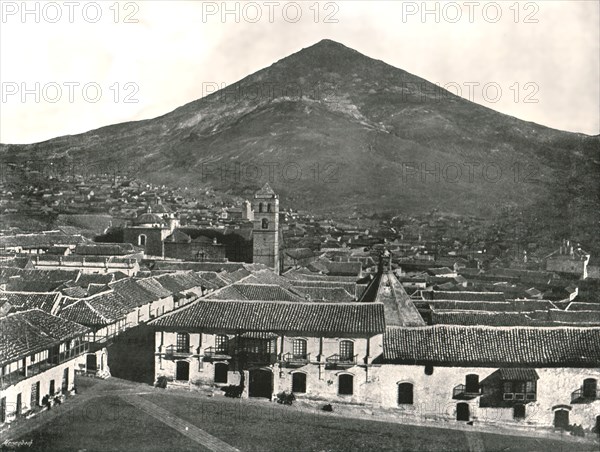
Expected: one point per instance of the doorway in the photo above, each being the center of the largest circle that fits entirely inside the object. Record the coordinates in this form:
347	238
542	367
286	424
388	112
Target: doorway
561	419
91	363
182	372
299	382
462	412
261	383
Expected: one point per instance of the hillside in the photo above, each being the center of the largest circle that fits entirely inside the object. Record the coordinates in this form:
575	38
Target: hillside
362	134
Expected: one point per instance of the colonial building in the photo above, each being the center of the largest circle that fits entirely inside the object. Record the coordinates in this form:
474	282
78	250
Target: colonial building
313	349
38	354
569	260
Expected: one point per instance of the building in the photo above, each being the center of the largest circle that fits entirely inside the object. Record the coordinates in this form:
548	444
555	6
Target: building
265	248
150	229
39	354
569	260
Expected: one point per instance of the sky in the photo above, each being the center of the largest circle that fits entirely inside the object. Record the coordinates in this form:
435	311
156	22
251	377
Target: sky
69	67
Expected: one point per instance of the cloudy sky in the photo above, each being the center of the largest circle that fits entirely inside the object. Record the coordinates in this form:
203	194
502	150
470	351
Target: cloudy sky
66	68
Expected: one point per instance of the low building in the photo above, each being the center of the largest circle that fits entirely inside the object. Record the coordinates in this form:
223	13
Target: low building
39	354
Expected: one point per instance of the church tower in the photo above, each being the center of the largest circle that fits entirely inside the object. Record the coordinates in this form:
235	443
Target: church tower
266	228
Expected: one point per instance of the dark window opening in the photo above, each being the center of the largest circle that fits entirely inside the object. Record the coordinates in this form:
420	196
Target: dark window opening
299	382
519	411
265	223
405	394
221	370
472	383
428	370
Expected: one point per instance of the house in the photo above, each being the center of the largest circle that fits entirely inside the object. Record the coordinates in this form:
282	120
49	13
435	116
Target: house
569	260
39	353
521	375
313	349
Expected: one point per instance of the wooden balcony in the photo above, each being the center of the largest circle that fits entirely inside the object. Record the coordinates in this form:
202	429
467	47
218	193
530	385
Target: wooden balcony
174	352
211	353
340	362
584	395
461	392
256	358
292	360
519	397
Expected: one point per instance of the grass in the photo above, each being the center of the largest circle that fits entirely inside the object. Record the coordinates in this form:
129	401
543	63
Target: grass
108	423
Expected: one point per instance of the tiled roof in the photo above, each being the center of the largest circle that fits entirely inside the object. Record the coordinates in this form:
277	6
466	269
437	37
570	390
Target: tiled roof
578	306
259	292
26	285
27	332
105	249
102	309
267	276
179	282
331	294
323	318
130	289
32	300
235	276
152	285
39	240
587	318
464	295
492	346
306	274
86	279
212	280
349	287
518	373
480	318
199	266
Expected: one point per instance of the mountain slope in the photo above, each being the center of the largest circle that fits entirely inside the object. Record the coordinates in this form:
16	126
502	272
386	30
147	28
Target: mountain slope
353	133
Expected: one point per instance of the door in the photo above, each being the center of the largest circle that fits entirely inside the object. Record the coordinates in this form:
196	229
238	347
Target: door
19	405
299	382
345	384
35	395
561	419
183	371
462	412
65	382
261	383
90	363
221	372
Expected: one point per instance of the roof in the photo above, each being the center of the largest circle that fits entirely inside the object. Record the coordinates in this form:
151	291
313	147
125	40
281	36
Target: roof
518	373
465	295
179	282
153	286
332	294
178	237
27	332
32	300
101	309
265	191
105	249
323	318
480	318
149	218
492	346
136	293
260	292
43	240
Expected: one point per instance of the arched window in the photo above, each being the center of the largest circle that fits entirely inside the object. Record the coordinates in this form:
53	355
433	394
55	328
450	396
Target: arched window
265	223
183	342
269	207
142	240
405	394
260	206
221	370
346	351
299	382
299	348
346	384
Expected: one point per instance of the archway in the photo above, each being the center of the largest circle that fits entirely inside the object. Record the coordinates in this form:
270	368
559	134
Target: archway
261	383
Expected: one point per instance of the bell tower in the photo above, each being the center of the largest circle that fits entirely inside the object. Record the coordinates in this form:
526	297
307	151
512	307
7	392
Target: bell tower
265	248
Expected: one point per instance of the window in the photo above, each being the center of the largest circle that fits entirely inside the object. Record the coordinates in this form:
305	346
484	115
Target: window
405	394
530	386
142	240
472	384
590	387
221	343
183	342
51	390
299	348
299	382
260	207
268	207
265	223
519	411
345	384
428	370
221	370
346	350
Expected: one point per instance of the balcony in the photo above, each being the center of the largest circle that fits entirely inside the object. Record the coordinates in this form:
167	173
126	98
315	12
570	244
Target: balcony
256	358
519	397
173	351
461	392
216	353
584	395
295	360
338	361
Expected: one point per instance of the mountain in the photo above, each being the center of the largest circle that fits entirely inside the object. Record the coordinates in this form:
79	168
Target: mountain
354	133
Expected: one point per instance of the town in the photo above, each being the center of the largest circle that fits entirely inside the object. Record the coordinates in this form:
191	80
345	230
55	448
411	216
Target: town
430	318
